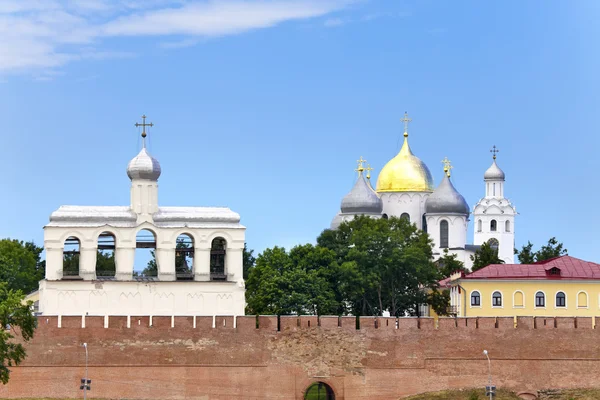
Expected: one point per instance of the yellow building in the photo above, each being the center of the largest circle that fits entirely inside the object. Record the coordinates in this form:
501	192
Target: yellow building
562	286
34	297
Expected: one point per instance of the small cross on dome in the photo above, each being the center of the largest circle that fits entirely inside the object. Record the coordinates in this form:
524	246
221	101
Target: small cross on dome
360	168
368	169
143	125
447	166
494	150
406	120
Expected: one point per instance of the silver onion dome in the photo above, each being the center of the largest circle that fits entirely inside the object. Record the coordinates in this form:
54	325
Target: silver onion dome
143	166
361	199
446	200
494	172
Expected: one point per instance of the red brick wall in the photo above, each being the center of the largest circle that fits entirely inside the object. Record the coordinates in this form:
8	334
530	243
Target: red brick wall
249	358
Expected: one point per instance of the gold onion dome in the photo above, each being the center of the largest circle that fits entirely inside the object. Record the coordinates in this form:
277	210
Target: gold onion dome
405	172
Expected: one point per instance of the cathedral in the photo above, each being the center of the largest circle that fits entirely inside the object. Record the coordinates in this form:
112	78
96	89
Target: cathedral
405	189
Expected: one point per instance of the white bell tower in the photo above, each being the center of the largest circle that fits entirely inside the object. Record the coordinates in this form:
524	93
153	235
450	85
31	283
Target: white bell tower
494	215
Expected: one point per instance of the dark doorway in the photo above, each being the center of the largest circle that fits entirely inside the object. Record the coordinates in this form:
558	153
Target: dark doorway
319	391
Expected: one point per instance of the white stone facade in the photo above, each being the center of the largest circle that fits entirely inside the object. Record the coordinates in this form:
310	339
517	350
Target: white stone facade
457	236
395	204
89	297
209	289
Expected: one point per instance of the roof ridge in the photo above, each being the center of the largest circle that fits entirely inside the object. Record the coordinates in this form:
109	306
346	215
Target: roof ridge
550	259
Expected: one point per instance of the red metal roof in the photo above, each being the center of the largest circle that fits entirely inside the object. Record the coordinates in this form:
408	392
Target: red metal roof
570	268
444	282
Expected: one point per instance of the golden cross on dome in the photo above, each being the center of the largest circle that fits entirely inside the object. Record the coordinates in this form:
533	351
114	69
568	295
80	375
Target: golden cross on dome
368	169
360	168
494	150
447	166
143	125
406	120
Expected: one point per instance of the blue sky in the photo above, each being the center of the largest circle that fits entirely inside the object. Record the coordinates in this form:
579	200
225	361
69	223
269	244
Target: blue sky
264	106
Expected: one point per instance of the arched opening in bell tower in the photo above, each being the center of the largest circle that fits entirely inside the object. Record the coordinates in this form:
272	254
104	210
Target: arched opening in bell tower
145	254
105	258
217	259
71	258
184	257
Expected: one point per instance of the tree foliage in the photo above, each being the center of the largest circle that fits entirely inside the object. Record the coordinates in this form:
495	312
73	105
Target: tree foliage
552	249
20	265
248	261
105	263
19	321
439	301
484	256
292	283
526	255
449	264
365	267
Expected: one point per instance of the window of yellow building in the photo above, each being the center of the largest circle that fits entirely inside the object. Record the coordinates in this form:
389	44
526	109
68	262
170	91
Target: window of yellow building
518	299
540	300
475	299
561	300
582	299
497	299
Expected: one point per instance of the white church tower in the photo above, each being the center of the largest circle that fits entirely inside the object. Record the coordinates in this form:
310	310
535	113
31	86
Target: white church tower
494	215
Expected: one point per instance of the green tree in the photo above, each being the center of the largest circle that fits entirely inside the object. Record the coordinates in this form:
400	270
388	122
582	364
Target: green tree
248	261
152	267
449	264
19	321
385	264
439	301
526	255
71	264
484	256
37	252
20	265
105	263
552	249
295	283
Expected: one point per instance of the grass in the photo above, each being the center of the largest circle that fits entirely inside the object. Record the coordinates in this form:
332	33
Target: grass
478	394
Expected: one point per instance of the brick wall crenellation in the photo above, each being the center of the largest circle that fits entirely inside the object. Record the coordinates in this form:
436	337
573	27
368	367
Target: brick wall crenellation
275	323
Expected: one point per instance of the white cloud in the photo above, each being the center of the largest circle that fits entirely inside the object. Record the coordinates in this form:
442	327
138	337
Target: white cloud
333	22
179	44
38	34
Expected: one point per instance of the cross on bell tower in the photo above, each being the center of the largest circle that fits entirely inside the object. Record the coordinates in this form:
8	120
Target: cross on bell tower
144	125
494	150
